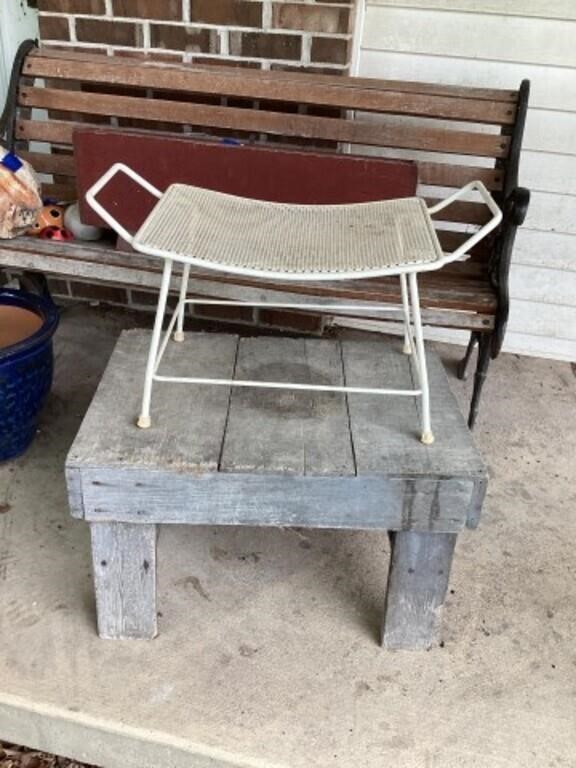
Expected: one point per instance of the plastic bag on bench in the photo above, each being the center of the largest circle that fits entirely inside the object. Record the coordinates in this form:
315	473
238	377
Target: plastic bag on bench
20	201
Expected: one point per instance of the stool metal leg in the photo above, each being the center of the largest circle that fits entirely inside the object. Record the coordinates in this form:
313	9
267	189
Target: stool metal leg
407	348
179	332
427	436
144	420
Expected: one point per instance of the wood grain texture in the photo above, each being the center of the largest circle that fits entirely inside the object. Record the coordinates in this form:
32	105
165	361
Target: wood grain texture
465	302
74	488
315	92
42	162
278	500
385	430
448	175
56	131
275	123
311	459
417	583
124	564
288	432
428	88
188	424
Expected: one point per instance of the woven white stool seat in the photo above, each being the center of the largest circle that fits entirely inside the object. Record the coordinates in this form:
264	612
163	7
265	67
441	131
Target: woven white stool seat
313	242
284	242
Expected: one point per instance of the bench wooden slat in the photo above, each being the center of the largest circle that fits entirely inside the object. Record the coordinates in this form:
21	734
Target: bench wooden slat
54	131
450	240
196	80
465	213
450	299
469	304
376	84
438	174
283	124
60	164
65	193
447	175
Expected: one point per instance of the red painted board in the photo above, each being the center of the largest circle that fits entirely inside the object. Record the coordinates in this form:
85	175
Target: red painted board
279	175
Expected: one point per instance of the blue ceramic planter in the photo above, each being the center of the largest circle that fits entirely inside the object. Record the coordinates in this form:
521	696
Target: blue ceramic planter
25	375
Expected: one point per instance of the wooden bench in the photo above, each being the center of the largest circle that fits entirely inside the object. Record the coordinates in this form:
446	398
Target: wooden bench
455	135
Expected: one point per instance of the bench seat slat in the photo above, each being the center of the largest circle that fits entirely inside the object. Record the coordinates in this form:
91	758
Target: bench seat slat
464	294
195	80
467	302
252	120
458	213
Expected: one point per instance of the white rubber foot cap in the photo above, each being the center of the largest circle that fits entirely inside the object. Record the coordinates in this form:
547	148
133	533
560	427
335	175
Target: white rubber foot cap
427	438
407	349
178	336
144	422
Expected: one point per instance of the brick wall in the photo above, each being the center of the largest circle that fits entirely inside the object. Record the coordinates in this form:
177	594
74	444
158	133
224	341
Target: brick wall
267	34
260	33
67	292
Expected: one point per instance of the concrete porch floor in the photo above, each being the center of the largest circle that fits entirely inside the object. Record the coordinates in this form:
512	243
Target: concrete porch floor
268	654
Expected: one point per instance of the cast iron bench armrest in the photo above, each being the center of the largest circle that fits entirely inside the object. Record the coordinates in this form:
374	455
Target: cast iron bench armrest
518	202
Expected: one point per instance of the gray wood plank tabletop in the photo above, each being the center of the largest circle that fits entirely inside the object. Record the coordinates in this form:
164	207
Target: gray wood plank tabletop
217	454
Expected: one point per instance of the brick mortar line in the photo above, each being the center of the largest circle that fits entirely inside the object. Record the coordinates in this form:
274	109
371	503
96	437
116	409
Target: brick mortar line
224	37
146	36
72	29
200	54
132	303
267	13
109	11
306	53
201	25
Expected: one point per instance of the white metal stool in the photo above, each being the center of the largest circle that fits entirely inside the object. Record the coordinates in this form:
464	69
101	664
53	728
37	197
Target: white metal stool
286	242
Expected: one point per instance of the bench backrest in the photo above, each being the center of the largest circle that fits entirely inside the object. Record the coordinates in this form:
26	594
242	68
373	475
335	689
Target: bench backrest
456	134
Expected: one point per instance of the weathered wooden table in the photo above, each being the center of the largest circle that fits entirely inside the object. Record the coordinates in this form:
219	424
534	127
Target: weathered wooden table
223	456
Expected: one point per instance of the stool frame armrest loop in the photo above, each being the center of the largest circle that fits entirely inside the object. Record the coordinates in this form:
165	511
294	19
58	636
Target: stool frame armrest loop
102	182
473	186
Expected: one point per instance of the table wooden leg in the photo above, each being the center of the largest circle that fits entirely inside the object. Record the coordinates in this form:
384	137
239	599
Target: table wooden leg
124	564
417	582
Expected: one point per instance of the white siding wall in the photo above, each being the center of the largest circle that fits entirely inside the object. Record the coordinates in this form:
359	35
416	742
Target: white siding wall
17	22
497	43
